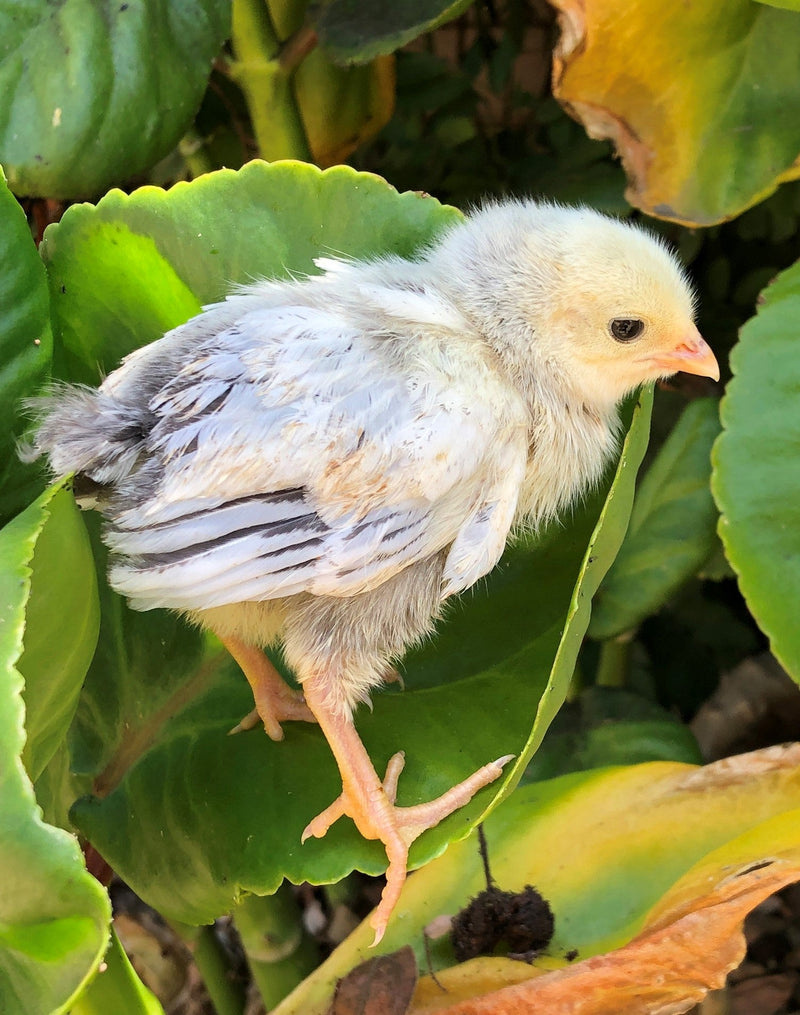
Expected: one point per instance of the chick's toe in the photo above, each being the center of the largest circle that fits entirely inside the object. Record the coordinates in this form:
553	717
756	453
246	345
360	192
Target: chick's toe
275	701
370	801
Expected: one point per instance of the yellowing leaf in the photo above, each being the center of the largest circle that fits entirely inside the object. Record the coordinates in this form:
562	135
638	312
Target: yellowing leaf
700	99
665	969
342	107
690	943
649	870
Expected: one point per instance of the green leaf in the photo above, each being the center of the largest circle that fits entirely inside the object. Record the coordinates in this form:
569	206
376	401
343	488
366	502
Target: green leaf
789	5
53	914
173	810
126	270
26	347
117	990
354	31
97	91
62	618
610	726
756	479
672	527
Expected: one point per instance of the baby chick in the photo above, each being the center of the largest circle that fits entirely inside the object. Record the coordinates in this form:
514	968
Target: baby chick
325	461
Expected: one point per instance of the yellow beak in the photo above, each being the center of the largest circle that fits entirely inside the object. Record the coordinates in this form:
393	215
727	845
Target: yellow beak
692	355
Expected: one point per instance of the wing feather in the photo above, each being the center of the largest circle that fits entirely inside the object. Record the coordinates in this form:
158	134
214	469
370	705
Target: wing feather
301	450
205	522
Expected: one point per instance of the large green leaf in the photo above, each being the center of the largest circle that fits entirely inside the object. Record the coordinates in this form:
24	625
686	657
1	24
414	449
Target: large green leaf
355	31
756	479
96	91
26	346
672	527
53	915
190	817
61	624
124	271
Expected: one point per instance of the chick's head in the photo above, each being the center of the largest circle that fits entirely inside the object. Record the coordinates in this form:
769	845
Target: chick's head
599	302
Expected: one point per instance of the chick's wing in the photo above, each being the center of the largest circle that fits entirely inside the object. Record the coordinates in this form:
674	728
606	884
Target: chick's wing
294	452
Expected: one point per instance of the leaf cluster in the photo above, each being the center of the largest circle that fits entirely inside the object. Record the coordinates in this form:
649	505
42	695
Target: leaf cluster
589	646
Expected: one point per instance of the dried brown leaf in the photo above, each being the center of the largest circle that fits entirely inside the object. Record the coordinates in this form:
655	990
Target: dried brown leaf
380	986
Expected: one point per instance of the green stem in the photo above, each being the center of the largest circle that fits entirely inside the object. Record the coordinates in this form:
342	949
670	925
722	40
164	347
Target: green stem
195	154
226	995
267	83
612	669
280	953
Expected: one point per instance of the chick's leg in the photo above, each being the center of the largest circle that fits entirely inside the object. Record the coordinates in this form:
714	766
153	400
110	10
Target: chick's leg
275	701
370	801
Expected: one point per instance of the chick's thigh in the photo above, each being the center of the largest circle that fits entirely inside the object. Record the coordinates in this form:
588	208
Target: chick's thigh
348	642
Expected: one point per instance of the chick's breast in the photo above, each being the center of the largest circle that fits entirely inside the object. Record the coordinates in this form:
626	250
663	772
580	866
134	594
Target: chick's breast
307	450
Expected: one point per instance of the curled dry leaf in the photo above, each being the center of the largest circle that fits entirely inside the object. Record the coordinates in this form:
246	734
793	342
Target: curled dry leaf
756	703
380	986
662	971
689	942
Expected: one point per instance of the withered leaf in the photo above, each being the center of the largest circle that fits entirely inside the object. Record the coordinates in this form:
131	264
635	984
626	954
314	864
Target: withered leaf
380	986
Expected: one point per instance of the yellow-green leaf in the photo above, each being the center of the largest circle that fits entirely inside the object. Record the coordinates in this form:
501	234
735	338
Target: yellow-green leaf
622	855
672	531
687	948
53	914
700	99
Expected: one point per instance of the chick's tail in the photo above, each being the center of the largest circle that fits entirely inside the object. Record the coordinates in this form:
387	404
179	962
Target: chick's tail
86	432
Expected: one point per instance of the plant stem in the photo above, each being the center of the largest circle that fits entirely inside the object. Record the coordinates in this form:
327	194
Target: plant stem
266	83
192	148
296	48
227	996
279	951
612	669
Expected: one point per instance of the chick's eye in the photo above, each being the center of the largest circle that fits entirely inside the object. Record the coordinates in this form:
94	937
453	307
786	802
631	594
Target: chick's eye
626	329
